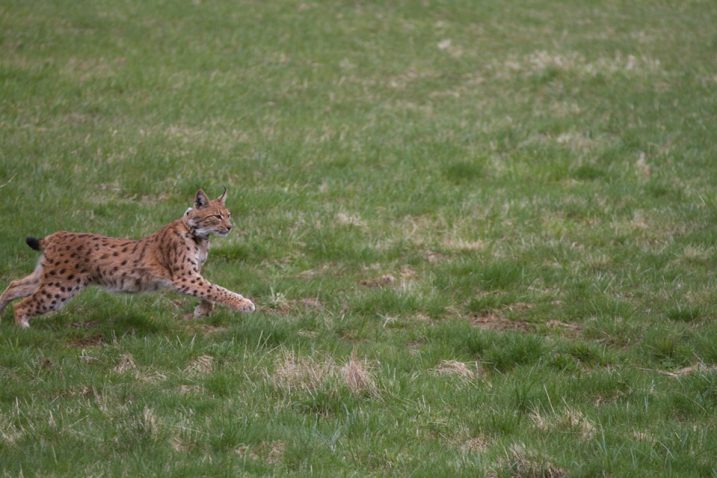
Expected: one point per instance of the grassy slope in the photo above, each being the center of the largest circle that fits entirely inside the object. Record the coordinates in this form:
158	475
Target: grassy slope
525	190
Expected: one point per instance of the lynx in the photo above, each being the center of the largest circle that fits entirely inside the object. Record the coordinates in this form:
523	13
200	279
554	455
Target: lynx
170	258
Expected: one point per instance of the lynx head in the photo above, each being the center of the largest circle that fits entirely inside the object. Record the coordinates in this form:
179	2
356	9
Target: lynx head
208	216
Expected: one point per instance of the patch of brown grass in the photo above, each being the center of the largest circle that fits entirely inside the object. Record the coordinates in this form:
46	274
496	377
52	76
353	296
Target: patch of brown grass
151	376
357	377
190	389
460	369
308	374
312	273
538	62
474	445
150	421
311	303
88	324
275	451
493	321
301	373
382	281
347	219
282	306
520	462
9	431
202	365
270	453
689	370
455	244
179	445
569	420
125	363
434	257
199	327
95	340
570	328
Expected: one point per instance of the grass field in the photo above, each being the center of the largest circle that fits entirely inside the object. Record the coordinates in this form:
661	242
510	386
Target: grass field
481	237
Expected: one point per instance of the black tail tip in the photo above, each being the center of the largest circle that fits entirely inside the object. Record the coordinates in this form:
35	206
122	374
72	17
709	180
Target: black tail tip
33	242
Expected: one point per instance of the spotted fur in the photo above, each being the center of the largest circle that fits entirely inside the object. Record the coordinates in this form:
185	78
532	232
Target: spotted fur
170	258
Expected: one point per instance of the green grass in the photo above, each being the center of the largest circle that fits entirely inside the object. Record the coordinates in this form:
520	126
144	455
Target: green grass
499	216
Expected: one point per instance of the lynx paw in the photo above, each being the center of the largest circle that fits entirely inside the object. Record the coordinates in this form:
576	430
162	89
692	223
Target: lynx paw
245	305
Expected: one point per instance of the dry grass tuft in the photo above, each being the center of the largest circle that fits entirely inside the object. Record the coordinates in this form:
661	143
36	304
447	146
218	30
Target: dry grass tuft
643	436
190	389
269	452
126	363
150	422
474	445
539	62
275	452
383	281
454	367
697	368
643	169
357	377
461	245
151	376
311	303
575	420
9	432
201	365
522	463
179	445
494	321
94	340
697	253
208	329
303	373
279	304
569	328
570	420
346	219
308	374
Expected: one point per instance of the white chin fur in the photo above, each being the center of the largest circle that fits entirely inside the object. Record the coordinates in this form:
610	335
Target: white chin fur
201	233
207	232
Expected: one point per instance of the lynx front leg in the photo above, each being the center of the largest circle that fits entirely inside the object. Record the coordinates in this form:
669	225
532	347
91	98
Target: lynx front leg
198	286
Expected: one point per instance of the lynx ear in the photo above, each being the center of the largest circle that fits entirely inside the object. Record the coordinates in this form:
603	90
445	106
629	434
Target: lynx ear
222	199
201	200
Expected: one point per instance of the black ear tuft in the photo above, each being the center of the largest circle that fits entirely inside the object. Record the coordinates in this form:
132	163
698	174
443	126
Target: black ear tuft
201	200
33	243
223	198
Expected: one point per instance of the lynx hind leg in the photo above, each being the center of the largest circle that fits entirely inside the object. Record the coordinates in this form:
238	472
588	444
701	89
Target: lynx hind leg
21	288
204	308
47	298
